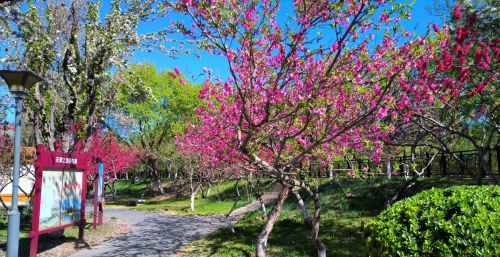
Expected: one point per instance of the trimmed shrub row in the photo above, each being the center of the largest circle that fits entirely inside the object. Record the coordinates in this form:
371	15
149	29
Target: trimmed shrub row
456	221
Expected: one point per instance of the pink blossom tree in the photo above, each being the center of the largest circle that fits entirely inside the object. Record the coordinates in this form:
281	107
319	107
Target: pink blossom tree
330	78
466	72
104	146
116	157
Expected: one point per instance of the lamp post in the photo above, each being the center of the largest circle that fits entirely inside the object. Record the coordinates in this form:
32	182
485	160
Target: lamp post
18	82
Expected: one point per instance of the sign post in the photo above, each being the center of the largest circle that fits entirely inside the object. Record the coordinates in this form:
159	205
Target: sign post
60	186
98	195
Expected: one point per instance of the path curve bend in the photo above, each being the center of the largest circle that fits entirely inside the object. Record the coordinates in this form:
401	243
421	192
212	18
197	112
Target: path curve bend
153	234
158	234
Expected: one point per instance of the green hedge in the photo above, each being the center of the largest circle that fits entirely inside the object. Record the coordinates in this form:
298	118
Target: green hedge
456	221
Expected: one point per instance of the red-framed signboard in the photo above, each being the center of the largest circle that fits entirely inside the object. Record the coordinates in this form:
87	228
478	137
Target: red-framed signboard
59	198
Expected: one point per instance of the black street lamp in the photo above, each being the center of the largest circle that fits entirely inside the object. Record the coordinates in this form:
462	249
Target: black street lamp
18	82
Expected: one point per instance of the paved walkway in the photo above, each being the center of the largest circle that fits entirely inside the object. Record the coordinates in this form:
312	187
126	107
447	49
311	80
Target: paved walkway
157	234
153	234
238	214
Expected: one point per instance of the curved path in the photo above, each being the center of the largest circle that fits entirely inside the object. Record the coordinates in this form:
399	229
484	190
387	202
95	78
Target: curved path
157	234
153	234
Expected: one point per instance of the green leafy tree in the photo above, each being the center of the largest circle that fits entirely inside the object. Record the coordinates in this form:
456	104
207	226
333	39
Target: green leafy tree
75	47
153	107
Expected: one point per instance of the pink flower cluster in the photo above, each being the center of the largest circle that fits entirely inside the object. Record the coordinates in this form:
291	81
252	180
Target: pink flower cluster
293	98
116	156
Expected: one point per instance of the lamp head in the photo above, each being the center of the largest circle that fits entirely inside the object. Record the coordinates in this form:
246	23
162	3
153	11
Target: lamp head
19	81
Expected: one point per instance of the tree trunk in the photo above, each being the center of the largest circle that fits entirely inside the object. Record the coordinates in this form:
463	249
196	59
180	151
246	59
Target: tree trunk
401	190
52	131
228	215
208	190
202	192
229	224
38	134
194	190
66	138
159	186
262	238
482	166
302	207
406	171
113	191
150	186
40	124
155	176
264	234
263	206
92	84
193	195
388	170
320	246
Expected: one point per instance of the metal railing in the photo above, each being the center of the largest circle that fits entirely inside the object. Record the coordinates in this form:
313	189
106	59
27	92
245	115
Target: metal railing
459	163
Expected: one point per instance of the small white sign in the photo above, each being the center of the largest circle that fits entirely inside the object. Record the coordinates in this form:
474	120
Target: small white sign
66	160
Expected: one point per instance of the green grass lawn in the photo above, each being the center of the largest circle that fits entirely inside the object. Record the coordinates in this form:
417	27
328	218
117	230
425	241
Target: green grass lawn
341	227
25	225
125	188
220	200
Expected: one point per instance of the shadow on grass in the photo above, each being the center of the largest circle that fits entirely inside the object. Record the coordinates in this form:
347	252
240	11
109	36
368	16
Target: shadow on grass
367	198
346	205
126	188
289	238
227	191
340	232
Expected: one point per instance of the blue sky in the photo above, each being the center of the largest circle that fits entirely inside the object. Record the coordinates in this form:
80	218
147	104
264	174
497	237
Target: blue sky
192	66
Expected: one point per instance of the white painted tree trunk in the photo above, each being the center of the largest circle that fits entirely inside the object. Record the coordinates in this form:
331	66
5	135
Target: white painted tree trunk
264	234
208	190
229	224
263	206
388	169
193	196
159	186
320	246
302	207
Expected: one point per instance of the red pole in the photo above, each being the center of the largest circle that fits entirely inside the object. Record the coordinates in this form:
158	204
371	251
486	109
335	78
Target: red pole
83	221
101	205
101	214
35	222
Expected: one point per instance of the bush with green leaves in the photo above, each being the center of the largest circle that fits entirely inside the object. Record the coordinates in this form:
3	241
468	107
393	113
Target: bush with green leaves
456	221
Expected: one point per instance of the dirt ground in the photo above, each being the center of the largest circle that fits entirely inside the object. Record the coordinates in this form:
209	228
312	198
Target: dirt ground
67	245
